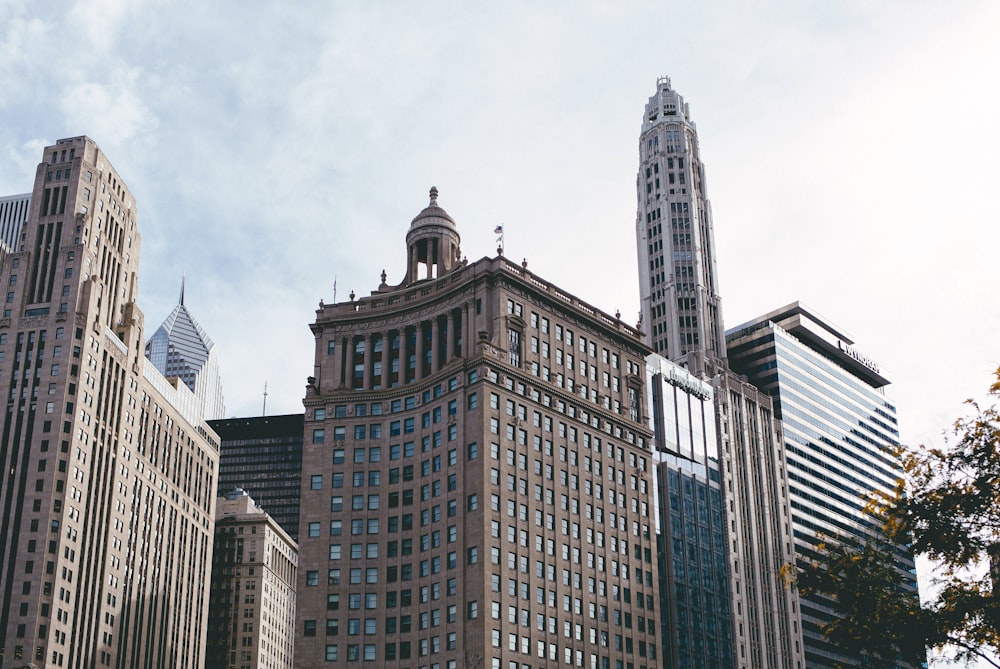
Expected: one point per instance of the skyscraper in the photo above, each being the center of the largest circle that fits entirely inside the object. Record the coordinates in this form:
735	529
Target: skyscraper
682	316
695	603
254	565
14	211
263	455
681	309
476	477
181	348
108	496
840	433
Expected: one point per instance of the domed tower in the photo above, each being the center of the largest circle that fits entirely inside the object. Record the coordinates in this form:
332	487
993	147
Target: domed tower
432	243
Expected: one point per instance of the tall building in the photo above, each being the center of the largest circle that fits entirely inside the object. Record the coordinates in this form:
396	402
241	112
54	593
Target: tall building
695	602
252	621
181	348
108	498
477	477
682	315
14	211
263	455
840	433
681	310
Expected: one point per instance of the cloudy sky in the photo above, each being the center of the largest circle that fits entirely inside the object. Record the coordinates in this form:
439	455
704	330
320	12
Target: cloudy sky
276	149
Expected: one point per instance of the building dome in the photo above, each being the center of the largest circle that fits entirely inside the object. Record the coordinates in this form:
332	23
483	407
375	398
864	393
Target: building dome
432	243
433	214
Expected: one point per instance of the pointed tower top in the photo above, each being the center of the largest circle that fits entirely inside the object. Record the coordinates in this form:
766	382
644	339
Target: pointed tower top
434	196
181	300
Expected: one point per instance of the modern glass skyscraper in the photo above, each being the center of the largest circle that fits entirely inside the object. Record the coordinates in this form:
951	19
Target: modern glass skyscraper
695	613
263	455
839	431
682	317
181	348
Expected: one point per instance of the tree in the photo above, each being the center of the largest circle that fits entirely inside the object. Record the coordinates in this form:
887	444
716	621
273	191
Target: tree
878	618
947	508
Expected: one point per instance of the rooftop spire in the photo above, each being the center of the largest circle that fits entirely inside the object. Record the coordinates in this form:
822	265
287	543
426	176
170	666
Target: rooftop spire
434	196
181	301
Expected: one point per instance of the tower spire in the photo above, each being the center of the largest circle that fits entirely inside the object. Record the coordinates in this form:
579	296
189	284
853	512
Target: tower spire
181	300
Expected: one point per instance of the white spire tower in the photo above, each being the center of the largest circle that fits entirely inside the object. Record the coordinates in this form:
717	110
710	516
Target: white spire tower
181	348
681	310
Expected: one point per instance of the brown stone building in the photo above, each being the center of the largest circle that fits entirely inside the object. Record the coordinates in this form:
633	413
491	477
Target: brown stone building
107	497
476	479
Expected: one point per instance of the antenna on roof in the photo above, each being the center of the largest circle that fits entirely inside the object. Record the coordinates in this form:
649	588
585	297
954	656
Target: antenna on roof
264	410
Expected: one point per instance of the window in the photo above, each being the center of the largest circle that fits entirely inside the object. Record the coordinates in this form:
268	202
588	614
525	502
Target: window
473	502
318	435
331	651
313	530
316	482
472	610
312	579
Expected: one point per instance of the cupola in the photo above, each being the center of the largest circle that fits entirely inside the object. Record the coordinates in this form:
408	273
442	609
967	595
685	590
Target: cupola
432	243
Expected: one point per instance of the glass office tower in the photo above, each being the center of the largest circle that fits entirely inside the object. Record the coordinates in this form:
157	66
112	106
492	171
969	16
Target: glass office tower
695	615
840	433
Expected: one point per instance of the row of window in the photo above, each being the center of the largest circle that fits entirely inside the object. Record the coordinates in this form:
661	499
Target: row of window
395	406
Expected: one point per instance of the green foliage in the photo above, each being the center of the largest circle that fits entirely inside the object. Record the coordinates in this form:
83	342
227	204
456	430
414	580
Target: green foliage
880	619
947	508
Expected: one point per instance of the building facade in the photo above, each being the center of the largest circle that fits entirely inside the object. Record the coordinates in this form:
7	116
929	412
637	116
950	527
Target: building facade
263	455
252	609
14	211
477	480
107	503
682	314
767	628
181	348
840	435
695	617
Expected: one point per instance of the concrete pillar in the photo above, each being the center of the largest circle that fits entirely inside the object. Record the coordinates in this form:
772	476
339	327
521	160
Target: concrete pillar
402	356
366	375
418	373
435	343
386	358
452	324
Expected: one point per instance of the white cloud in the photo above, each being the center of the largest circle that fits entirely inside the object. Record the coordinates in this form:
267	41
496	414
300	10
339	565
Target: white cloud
112	111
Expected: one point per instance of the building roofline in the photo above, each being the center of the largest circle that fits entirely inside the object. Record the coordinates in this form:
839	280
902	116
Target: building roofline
819	334
416	296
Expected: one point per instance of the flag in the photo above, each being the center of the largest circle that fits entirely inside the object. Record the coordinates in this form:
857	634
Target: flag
498	230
